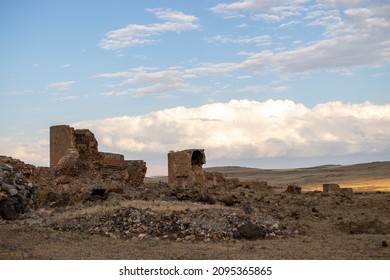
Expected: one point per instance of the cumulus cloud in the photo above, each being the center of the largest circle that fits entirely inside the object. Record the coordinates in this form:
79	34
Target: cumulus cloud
239	129
30	149
136	34
61	85
250	129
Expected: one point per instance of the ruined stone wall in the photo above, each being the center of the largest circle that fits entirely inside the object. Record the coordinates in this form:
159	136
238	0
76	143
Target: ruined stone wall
74	154
214	179
185	167
61	140
331	187
136	171
27	170
110	159
86	144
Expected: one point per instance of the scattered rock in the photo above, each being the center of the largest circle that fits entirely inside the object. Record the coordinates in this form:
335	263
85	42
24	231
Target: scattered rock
203	197
16	192
248	209
294	189
209	225
256	185
230	200
384	243
251	231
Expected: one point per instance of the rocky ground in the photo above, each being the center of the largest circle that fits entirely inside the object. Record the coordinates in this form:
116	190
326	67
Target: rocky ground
157	222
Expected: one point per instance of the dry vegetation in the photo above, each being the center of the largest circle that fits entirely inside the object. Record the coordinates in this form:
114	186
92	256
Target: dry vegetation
327	226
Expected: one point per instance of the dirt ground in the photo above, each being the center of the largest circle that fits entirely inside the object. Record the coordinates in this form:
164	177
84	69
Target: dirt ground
327	227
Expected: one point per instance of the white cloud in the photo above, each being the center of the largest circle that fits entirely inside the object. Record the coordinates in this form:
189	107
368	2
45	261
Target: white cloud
241	25
280	88
239	129
30	149
352	39
353	36
136	34
61	85
261	40
253	88
289	24
250	129
236	9
66	98
267	17
340	3
359	39
143	80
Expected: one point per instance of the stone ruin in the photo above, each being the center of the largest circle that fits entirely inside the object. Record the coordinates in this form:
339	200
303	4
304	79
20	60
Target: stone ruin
185	169
77	170
74	154
16	191
335	188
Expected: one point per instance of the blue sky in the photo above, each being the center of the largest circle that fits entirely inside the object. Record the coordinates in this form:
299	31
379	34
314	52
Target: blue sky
260	83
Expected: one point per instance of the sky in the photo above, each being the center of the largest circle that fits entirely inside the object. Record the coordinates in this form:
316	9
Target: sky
259	83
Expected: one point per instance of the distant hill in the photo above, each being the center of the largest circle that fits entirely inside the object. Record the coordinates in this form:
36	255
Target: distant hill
364	176
374	175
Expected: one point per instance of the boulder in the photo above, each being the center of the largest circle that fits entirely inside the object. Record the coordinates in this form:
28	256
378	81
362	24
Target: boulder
250	231
7	210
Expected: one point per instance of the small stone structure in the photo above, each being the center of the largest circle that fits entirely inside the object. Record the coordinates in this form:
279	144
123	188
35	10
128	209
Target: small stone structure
185	167
335	188
330	188
74	153
256	185
294	189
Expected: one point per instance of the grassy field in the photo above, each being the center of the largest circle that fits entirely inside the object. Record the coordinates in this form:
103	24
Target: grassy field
327	226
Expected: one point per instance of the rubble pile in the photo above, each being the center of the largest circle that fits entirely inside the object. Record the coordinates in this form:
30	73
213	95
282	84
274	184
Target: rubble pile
209	225
16	193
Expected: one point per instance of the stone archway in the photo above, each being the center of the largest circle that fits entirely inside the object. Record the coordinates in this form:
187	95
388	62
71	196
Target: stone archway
197	158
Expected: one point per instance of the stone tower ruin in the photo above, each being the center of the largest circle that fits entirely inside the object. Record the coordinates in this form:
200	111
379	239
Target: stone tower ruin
185	167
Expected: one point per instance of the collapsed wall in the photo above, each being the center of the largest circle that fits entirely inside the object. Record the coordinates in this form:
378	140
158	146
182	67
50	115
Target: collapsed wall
16	191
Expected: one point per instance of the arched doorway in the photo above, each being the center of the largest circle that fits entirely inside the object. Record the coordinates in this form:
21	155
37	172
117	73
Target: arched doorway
197	158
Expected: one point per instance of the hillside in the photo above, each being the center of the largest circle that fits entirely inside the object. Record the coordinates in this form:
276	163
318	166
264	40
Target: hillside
364	176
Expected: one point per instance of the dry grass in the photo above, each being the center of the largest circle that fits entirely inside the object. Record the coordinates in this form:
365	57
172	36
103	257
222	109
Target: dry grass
373	176
324	222
361	185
